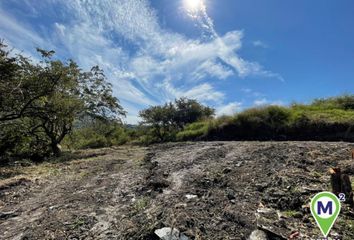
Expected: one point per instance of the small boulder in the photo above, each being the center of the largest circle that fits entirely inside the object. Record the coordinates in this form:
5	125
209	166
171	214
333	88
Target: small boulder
258	235
168	233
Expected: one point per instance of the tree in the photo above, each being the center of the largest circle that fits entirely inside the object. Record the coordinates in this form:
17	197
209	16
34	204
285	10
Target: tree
77	93
50	95
18	85
171	117
189	111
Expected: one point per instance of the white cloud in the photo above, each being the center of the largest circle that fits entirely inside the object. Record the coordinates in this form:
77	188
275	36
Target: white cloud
60	28
260	102
264	101
159	65
20	36
203	92
251	92
259	43
213	69
228	109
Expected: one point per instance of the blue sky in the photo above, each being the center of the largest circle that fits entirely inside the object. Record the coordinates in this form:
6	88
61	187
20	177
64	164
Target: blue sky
229	54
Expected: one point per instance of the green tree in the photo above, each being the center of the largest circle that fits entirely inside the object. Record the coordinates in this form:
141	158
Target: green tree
189	111
46	98
166	120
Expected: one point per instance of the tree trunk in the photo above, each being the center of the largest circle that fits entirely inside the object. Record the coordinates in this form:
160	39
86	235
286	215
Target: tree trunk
336	182
56	148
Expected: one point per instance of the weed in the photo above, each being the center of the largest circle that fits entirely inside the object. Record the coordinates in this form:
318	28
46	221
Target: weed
141	204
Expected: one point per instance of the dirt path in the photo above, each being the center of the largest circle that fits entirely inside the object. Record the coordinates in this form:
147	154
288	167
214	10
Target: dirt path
80	200
211	190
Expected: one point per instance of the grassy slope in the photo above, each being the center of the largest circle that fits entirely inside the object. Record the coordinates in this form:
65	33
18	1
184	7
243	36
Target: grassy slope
333	117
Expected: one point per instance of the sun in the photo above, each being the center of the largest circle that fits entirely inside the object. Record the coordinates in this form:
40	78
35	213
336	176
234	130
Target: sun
194	5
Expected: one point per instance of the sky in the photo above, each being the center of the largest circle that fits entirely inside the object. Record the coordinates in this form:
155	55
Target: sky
228	54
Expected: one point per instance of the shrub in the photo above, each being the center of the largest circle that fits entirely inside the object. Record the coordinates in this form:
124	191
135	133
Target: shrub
345	102
97	134
194	131
165	121
95	142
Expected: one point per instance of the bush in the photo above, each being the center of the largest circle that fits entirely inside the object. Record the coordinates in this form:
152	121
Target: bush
165	121
97	134
95	142
345	102
253	124
329	120
147	140
194	131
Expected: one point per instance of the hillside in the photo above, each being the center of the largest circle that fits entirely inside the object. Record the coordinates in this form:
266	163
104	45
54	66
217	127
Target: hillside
213	190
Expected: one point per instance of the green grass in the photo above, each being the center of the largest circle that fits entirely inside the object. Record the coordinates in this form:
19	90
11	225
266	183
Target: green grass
324	116
193	131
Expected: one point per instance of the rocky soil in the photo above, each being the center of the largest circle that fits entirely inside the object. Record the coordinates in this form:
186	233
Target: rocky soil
206	190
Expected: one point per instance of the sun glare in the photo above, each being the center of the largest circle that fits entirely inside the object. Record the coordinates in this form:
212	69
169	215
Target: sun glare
194	5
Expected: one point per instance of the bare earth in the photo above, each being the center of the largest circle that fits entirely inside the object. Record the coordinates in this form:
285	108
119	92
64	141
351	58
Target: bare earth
207	190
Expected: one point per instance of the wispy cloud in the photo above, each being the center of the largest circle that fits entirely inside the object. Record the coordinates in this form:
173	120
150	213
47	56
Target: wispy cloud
146	63
19	35
229	109
251	93
203	92
259	43
265	101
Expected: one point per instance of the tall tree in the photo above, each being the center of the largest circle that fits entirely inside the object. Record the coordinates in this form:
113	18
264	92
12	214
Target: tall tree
50	95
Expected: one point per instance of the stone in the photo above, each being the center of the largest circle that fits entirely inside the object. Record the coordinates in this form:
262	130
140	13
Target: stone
258	235
268	221
191	196
168	233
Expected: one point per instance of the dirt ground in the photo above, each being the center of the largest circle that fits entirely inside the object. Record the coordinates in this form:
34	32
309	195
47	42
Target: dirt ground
206	190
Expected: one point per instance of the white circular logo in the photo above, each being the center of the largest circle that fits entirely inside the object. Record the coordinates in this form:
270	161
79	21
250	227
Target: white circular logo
325	207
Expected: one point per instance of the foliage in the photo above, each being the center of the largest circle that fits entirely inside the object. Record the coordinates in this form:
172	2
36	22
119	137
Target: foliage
345	102
165	121
45	103
324	119
97	134
39	102
194	131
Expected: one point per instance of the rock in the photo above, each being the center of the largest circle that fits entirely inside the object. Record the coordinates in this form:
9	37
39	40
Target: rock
239	164
170	234
258	235
191	196
268	221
